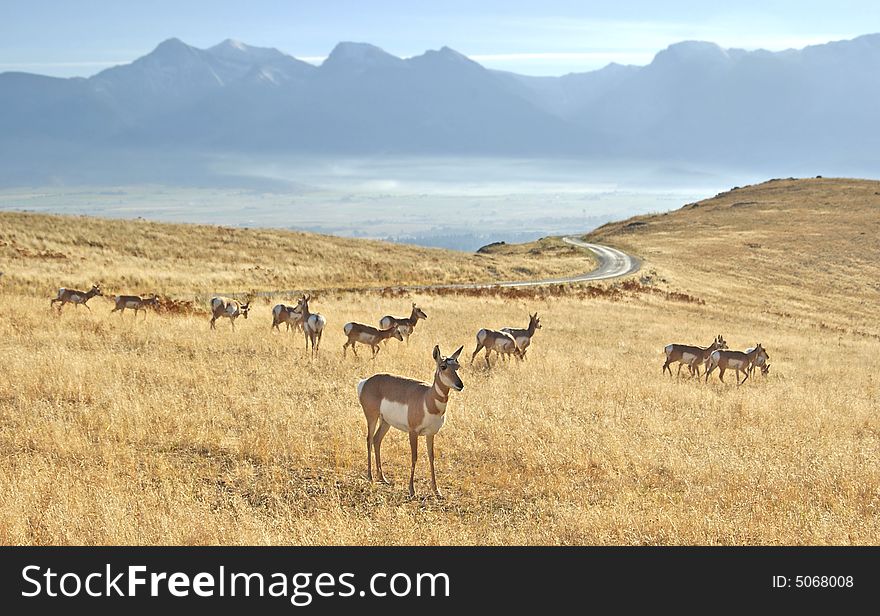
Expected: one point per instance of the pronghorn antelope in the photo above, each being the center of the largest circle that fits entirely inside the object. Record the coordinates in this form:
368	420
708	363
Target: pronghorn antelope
286	314
411	406
523	337
406	325
312	324
229	308
501	342
736	360
690	356
760	362
365	334
75	297
135	302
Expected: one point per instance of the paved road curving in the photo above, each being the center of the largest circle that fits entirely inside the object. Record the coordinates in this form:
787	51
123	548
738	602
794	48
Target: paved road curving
613	263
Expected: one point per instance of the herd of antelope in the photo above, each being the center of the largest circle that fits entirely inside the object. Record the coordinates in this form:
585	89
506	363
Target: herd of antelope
717	355
412	406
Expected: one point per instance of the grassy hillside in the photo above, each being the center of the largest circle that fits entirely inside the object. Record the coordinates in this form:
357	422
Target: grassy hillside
116	430
807	251
41	253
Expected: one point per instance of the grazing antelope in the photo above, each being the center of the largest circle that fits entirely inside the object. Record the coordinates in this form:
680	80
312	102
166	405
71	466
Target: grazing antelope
312	323
365	334
286	314
406	325
135	302
75	297
501	342
737	360
523	337
760	362
691	356
229	308
412	406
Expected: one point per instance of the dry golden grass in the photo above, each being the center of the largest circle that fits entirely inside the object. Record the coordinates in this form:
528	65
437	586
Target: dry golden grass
116	430
41	253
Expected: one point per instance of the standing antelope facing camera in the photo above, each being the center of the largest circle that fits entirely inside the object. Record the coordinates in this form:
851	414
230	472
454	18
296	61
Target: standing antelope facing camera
135	302
737	360
286	314
229	308
690	356
365	334
75	297
501	342
406	325
523	337
412	406
312	323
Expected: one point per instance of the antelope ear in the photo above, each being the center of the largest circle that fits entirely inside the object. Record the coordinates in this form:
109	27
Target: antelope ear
437	355
457	353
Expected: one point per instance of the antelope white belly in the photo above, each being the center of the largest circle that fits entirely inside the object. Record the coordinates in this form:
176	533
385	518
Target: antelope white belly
688	357
501	345
737	364
395	413
76	298
431	423
365	338
132	304
523	343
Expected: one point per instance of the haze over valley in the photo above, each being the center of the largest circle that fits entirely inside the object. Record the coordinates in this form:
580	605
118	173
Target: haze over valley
434	148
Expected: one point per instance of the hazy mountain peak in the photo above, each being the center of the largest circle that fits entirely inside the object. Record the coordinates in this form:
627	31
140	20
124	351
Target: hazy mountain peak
449	52
360	55
231	43
691	52
171	49
445	58
231	49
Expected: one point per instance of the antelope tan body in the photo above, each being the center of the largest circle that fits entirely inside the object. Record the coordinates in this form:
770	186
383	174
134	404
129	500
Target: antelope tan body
502	343
312	323
414	407
760	362
368	335
229	308
691	356
286	314
406	325
740	361
134	302
77	298
523	337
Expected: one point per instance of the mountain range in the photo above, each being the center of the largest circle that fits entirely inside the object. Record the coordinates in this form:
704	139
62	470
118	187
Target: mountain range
694	102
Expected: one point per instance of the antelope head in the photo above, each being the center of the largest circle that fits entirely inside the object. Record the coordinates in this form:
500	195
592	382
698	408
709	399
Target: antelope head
720	342
533	318
765	369
396	334
447	369
96	289
761	354
418	313
244	308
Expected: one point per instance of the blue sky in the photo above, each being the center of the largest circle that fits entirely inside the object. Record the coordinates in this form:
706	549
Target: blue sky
546	37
